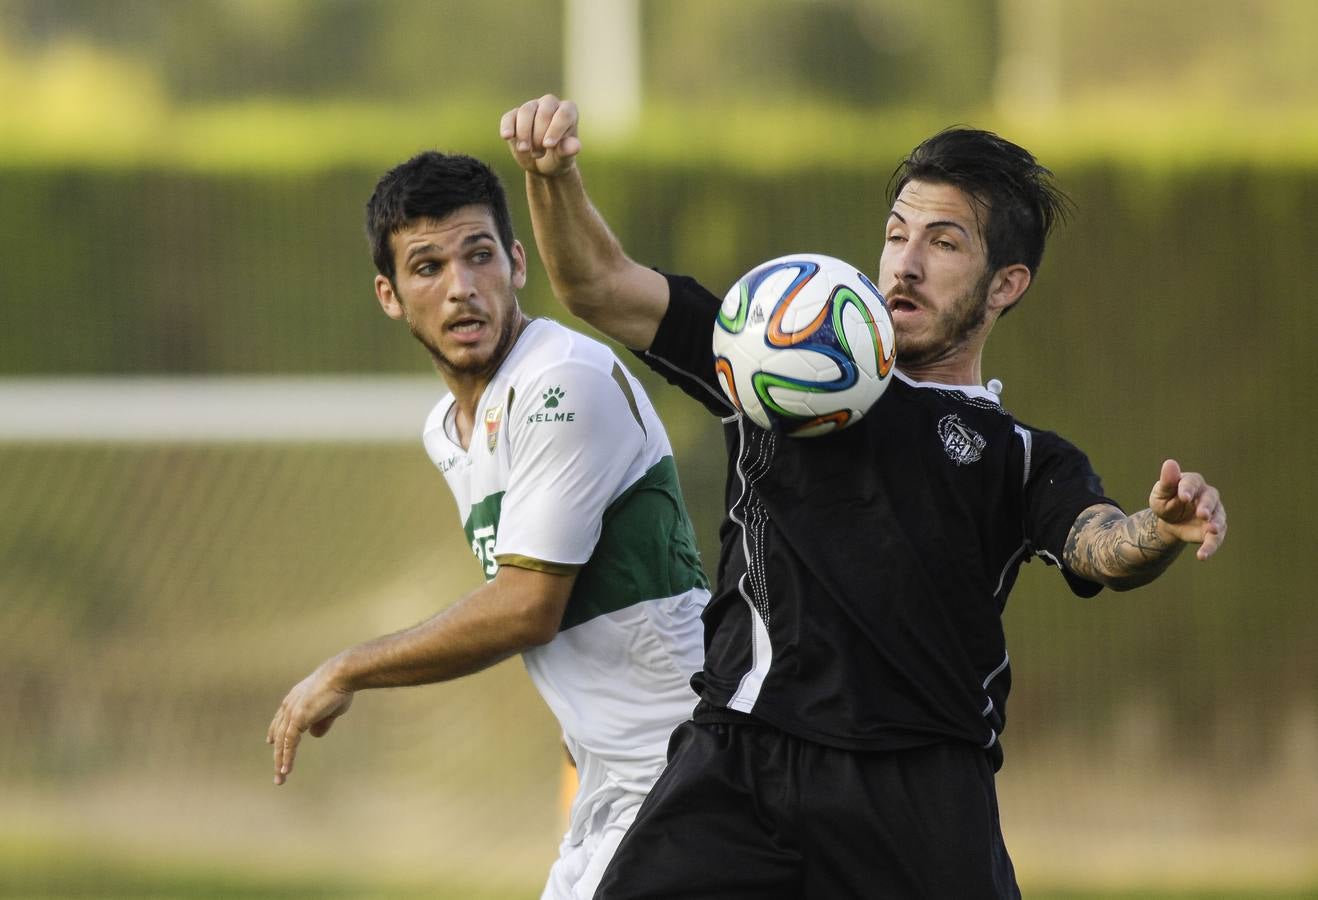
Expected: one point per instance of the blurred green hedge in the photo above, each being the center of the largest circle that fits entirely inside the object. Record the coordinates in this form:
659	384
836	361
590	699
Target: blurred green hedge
113	271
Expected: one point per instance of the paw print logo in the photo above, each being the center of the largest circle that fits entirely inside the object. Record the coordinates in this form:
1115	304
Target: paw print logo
552	396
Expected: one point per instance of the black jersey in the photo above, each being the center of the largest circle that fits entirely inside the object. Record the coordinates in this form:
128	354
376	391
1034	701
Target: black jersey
863	574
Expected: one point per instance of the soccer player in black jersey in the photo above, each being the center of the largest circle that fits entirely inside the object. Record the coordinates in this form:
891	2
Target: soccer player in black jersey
856	672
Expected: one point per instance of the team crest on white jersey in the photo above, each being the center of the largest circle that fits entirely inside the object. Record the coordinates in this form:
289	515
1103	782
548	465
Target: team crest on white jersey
962	444
492	417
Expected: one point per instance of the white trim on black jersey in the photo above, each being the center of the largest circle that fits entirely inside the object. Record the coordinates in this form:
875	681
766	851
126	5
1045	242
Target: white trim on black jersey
748	689
1007	568
993	734
1027	439
974	391
695	379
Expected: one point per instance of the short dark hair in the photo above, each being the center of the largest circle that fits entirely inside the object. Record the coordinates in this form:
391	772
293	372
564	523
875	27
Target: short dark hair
432	185
1023	203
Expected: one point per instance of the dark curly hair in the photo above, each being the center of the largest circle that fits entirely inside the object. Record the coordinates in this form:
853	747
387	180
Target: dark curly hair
1023	204
432	185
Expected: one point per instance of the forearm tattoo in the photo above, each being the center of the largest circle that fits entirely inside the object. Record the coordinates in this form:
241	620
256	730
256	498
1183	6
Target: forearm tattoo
1116	550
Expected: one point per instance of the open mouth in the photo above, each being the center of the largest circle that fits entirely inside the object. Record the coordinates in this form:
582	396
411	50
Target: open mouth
466	326
901	304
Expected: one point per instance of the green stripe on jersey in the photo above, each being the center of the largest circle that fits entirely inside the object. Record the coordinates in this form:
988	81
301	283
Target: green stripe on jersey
481	525
646	550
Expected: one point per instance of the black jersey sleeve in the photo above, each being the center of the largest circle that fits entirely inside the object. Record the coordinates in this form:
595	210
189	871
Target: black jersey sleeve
1060	485
682	348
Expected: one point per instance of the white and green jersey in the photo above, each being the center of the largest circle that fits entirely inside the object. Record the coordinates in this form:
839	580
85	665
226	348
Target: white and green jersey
569	469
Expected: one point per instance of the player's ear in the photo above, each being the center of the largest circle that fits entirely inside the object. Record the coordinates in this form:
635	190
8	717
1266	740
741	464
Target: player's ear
1007	286
388	297
518	256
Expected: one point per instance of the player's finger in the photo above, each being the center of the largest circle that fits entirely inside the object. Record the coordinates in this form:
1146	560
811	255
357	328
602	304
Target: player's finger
1191	487
563	124
569	146
289	741
283	729
546	109
1207	501
508	124
278	756
524	124
277	739
1214	531
1168	478
1176	479
277	724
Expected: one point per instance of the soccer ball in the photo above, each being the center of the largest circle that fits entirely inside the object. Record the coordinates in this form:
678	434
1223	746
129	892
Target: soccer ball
803	344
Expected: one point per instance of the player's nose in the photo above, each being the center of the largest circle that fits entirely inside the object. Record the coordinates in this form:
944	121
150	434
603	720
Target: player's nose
908	264
461	283
901	262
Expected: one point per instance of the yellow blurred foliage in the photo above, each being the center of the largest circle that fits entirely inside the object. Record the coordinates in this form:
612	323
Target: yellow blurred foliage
78	101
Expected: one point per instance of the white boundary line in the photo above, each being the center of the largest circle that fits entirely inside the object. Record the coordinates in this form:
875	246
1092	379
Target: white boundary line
372	409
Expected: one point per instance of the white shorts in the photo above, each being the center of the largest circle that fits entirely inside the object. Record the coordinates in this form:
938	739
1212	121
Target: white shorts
581	863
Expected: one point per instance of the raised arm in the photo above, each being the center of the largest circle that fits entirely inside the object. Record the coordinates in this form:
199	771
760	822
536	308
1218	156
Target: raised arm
518	609
1124	552
588	270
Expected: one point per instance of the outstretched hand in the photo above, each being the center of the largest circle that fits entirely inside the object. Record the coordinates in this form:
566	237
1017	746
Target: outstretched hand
1189	508
312	705
542	135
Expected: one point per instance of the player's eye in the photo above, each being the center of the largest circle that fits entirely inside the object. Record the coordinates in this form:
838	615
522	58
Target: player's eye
427	268
895	238
944	245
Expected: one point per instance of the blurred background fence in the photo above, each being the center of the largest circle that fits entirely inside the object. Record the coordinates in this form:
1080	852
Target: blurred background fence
160	591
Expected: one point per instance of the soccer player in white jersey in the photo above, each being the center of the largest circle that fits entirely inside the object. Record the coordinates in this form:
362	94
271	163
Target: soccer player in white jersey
566	488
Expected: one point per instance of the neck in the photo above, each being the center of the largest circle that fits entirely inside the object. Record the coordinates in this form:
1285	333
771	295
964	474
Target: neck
961	364
947	371
468	387
467	391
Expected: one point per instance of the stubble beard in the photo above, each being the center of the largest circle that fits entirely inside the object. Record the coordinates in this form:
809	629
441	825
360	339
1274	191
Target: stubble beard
953	331
507	334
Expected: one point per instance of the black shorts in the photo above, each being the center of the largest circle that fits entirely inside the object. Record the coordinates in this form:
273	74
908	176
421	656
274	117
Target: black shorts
748	811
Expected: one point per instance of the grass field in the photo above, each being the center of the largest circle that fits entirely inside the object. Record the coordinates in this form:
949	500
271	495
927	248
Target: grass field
58	869
53	872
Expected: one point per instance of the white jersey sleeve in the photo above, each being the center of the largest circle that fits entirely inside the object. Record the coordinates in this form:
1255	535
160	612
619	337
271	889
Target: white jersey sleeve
576	443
